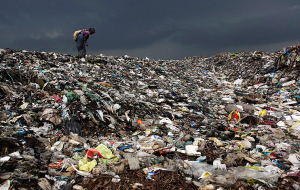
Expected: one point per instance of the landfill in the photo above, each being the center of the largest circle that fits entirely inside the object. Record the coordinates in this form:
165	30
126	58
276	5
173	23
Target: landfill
229	121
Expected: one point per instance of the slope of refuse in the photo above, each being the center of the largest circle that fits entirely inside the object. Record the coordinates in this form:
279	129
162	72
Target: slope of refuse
229	121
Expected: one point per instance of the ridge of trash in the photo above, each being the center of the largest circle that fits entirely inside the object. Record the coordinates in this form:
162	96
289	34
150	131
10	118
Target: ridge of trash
228	121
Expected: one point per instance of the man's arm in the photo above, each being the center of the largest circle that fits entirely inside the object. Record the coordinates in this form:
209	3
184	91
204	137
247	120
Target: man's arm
85	37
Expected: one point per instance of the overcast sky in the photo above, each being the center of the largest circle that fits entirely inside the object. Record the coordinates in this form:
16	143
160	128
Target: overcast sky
158	29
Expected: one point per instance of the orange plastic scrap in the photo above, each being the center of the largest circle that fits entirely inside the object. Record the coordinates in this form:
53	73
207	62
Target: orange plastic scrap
140	122
92	152
56	164
236	130
105	84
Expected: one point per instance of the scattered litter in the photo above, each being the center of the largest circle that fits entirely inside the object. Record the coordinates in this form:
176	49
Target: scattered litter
229	121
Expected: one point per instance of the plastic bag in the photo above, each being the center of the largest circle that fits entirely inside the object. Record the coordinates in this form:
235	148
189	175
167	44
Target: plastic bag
5	185
104	151
92	152
88	166
234	116
191	150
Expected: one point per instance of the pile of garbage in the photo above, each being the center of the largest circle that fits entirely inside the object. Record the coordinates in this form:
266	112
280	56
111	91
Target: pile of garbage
231	120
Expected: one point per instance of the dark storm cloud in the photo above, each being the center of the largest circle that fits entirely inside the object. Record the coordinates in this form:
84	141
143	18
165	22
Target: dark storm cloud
160	29
249	31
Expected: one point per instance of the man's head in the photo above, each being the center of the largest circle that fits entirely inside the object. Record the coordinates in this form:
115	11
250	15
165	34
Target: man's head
92	30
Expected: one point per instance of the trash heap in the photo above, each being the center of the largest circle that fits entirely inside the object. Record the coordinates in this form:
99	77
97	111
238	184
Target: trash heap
119	122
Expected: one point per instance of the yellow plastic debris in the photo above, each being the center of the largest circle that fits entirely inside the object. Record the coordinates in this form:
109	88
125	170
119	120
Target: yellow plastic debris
218	143
253	167
262	113
234	116
82	161
205	174
88	166
295	125
105	152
